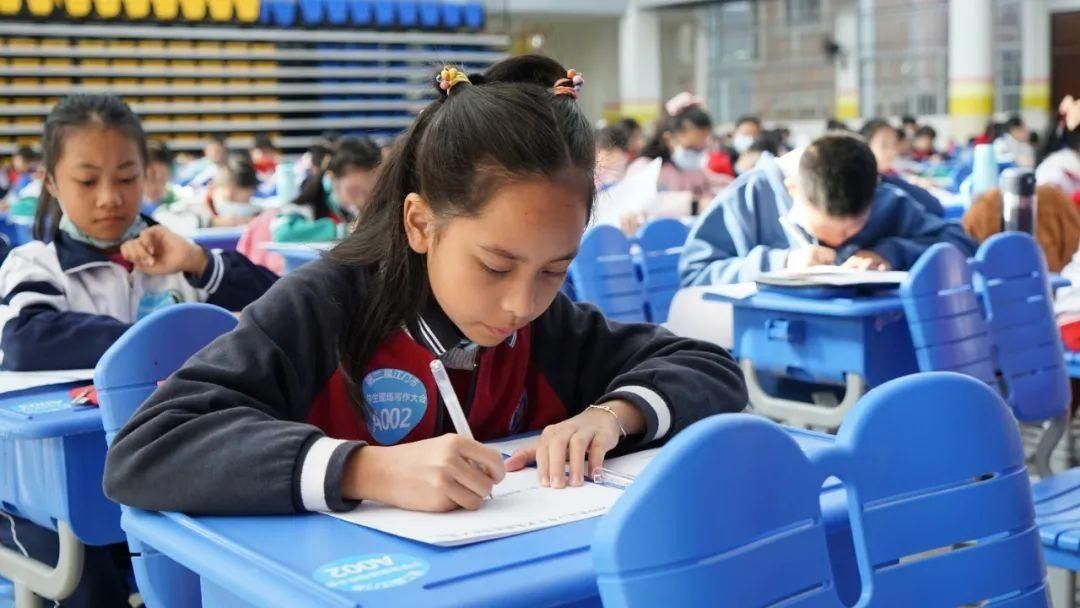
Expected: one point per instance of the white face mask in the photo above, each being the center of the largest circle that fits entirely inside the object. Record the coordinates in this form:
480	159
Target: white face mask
742	142
688	160
235	208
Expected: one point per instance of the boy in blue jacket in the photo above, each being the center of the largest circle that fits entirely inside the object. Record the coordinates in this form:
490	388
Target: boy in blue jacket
823	206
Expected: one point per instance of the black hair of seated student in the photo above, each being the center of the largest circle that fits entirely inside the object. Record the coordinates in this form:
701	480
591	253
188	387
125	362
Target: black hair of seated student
352	153
71	114
838	174
836	125
629	124
613	137
159	152
265	143
1059	137
872	126
748	119
693	117
462	148
769	141
908	119
28	153
238	172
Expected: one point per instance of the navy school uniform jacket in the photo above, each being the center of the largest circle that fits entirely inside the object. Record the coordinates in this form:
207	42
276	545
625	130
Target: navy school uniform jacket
260	421
66	302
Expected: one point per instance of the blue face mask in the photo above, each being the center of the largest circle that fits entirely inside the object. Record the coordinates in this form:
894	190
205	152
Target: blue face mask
331	199
688	160
69	228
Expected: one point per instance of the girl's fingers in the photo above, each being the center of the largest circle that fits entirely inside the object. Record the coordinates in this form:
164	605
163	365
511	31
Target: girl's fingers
577	446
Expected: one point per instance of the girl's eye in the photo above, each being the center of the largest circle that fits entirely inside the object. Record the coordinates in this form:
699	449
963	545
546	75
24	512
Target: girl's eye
129	180
555	273
495	272
86	183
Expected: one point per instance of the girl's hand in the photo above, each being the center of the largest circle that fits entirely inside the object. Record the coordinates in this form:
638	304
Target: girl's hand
439	474
158	250
591	433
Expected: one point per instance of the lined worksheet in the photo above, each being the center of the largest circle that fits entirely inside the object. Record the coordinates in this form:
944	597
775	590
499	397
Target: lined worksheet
518	504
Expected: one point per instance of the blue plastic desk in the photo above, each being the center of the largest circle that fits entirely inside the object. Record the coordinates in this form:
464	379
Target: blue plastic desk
60	456
52	456
275	561
218	238
298	254
858	342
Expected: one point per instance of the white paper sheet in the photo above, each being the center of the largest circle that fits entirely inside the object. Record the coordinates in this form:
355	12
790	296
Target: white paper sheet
20	381
837	276
519	504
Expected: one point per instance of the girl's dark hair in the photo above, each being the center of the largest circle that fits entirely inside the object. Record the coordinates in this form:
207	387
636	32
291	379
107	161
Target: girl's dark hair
79	112
352	153
158	152
694	117
507	125
1059	137
238	171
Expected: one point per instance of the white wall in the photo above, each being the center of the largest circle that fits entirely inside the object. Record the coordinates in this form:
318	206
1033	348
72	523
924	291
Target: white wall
587	44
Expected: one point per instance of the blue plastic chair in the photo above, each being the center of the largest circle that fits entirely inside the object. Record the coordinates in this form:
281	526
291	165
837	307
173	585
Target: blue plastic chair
311	12
125	376
603	273
384	13
282	12
408	14
764	545
474	16
361	12
430	15
336	12
453	15
945	315
1016	293
661	243
7	594
756	548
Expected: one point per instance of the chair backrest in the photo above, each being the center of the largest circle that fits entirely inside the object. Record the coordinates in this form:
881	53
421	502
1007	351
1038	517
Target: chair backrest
148	353
945	316
743	524
1016	294
940	508
603	273
661	243
939	496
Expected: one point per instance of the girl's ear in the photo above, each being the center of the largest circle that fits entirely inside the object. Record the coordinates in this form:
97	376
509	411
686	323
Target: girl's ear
50	186
419	223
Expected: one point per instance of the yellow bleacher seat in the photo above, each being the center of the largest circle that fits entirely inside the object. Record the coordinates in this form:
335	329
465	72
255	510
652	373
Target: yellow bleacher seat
93	62
262	66
40	8
24	62
57	62
107	9
136	9
154	68
28	121
10	7
79	9
126	62
221	10
165	10
247	11
193	10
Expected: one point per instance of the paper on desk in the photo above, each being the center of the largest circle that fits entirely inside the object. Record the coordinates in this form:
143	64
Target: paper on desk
519	504
734	291
21	381
838	276
623	470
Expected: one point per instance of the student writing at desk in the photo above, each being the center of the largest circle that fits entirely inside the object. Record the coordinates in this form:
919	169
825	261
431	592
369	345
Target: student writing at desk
323	395
823	205
100	267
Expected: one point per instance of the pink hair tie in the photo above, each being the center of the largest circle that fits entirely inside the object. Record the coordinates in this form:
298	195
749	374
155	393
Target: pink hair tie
569	86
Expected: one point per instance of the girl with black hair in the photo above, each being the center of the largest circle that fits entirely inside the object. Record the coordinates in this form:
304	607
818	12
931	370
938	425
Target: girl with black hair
323	395
97	267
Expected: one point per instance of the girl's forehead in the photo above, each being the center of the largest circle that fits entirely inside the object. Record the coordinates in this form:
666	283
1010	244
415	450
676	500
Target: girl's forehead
98	145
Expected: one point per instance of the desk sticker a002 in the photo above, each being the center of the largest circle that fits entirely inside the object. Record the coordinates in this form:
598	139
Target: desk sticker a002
371	572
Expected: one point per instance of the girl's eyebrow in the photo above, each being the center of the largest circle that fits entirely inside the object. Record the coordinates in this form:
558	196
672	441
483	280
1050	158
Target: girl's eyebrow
517	258
87	165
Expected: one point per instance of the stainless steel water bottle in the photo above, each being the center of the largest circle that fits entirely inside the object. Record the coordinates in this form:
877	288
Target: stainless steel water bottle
1019	205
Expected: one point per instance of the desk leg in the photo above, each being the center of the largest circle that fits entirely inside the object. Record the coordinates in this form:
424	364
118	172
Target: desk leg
1049	439
798	413
33	578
